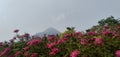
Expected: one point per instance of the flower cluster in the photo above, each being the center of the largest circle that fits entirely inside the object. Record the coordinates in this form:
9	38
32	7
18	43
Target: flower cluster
34	42
102	43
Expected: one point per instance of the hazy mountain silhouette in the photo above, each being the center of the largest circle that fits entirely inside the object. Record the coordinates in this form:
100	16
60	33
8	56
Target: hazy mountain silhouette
49	31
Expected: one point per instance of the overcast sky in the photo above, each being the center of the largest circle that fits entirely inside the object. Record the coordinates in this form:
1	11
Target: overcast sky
34	16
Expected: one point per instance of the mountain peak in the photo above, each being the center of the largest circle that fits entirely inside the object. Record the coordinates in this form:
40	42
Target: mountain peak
48	31
51	29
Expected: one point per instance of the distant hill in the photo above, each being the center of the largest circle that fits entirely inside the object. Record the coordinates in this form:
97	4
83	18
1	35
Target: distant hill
49	31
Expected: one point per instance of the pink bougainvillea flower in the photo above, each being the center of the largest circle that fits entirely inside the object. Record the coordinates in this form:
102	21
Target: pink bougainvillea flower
1	43
26	48
83	41
7	50
65	39
75	53
18	53
26	35
51	53
60	41
51	45
34	55
99	41
91	40
78	33
54	51
16	30
107	32
51	38
117	35
117	53
92	33
34	42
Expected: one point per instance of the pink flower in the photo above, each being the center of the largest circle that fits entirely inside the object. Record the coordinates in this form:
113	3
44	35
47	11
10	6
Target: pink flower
51	53
62	40
91	40
65	39
107	32
51	45
83	41
99	41
26	35
7	50
18	53
117	35
16	31
34	55
1	43
78	33
34	42
117	53
51	38
75	53
26	48
92	33
54	51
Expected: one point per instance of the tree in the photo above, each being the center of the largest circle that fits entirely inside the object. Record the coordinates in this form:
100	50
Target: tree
109	21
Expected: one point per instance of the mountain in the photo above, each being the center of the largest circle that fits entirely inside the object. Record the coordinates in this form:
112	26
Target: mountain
49	31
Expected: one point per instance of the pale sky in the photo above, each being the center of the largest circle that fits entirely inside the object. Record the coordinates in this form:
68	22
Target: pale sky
35	16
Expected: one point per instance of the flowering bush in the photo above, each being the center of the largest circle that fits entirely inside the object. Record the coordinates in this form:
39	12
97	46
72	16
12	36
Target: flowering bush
103	43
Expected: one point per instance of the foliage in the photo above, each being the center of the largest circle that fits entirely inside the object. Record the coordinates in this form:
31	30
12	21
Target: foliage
102	43
109	21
